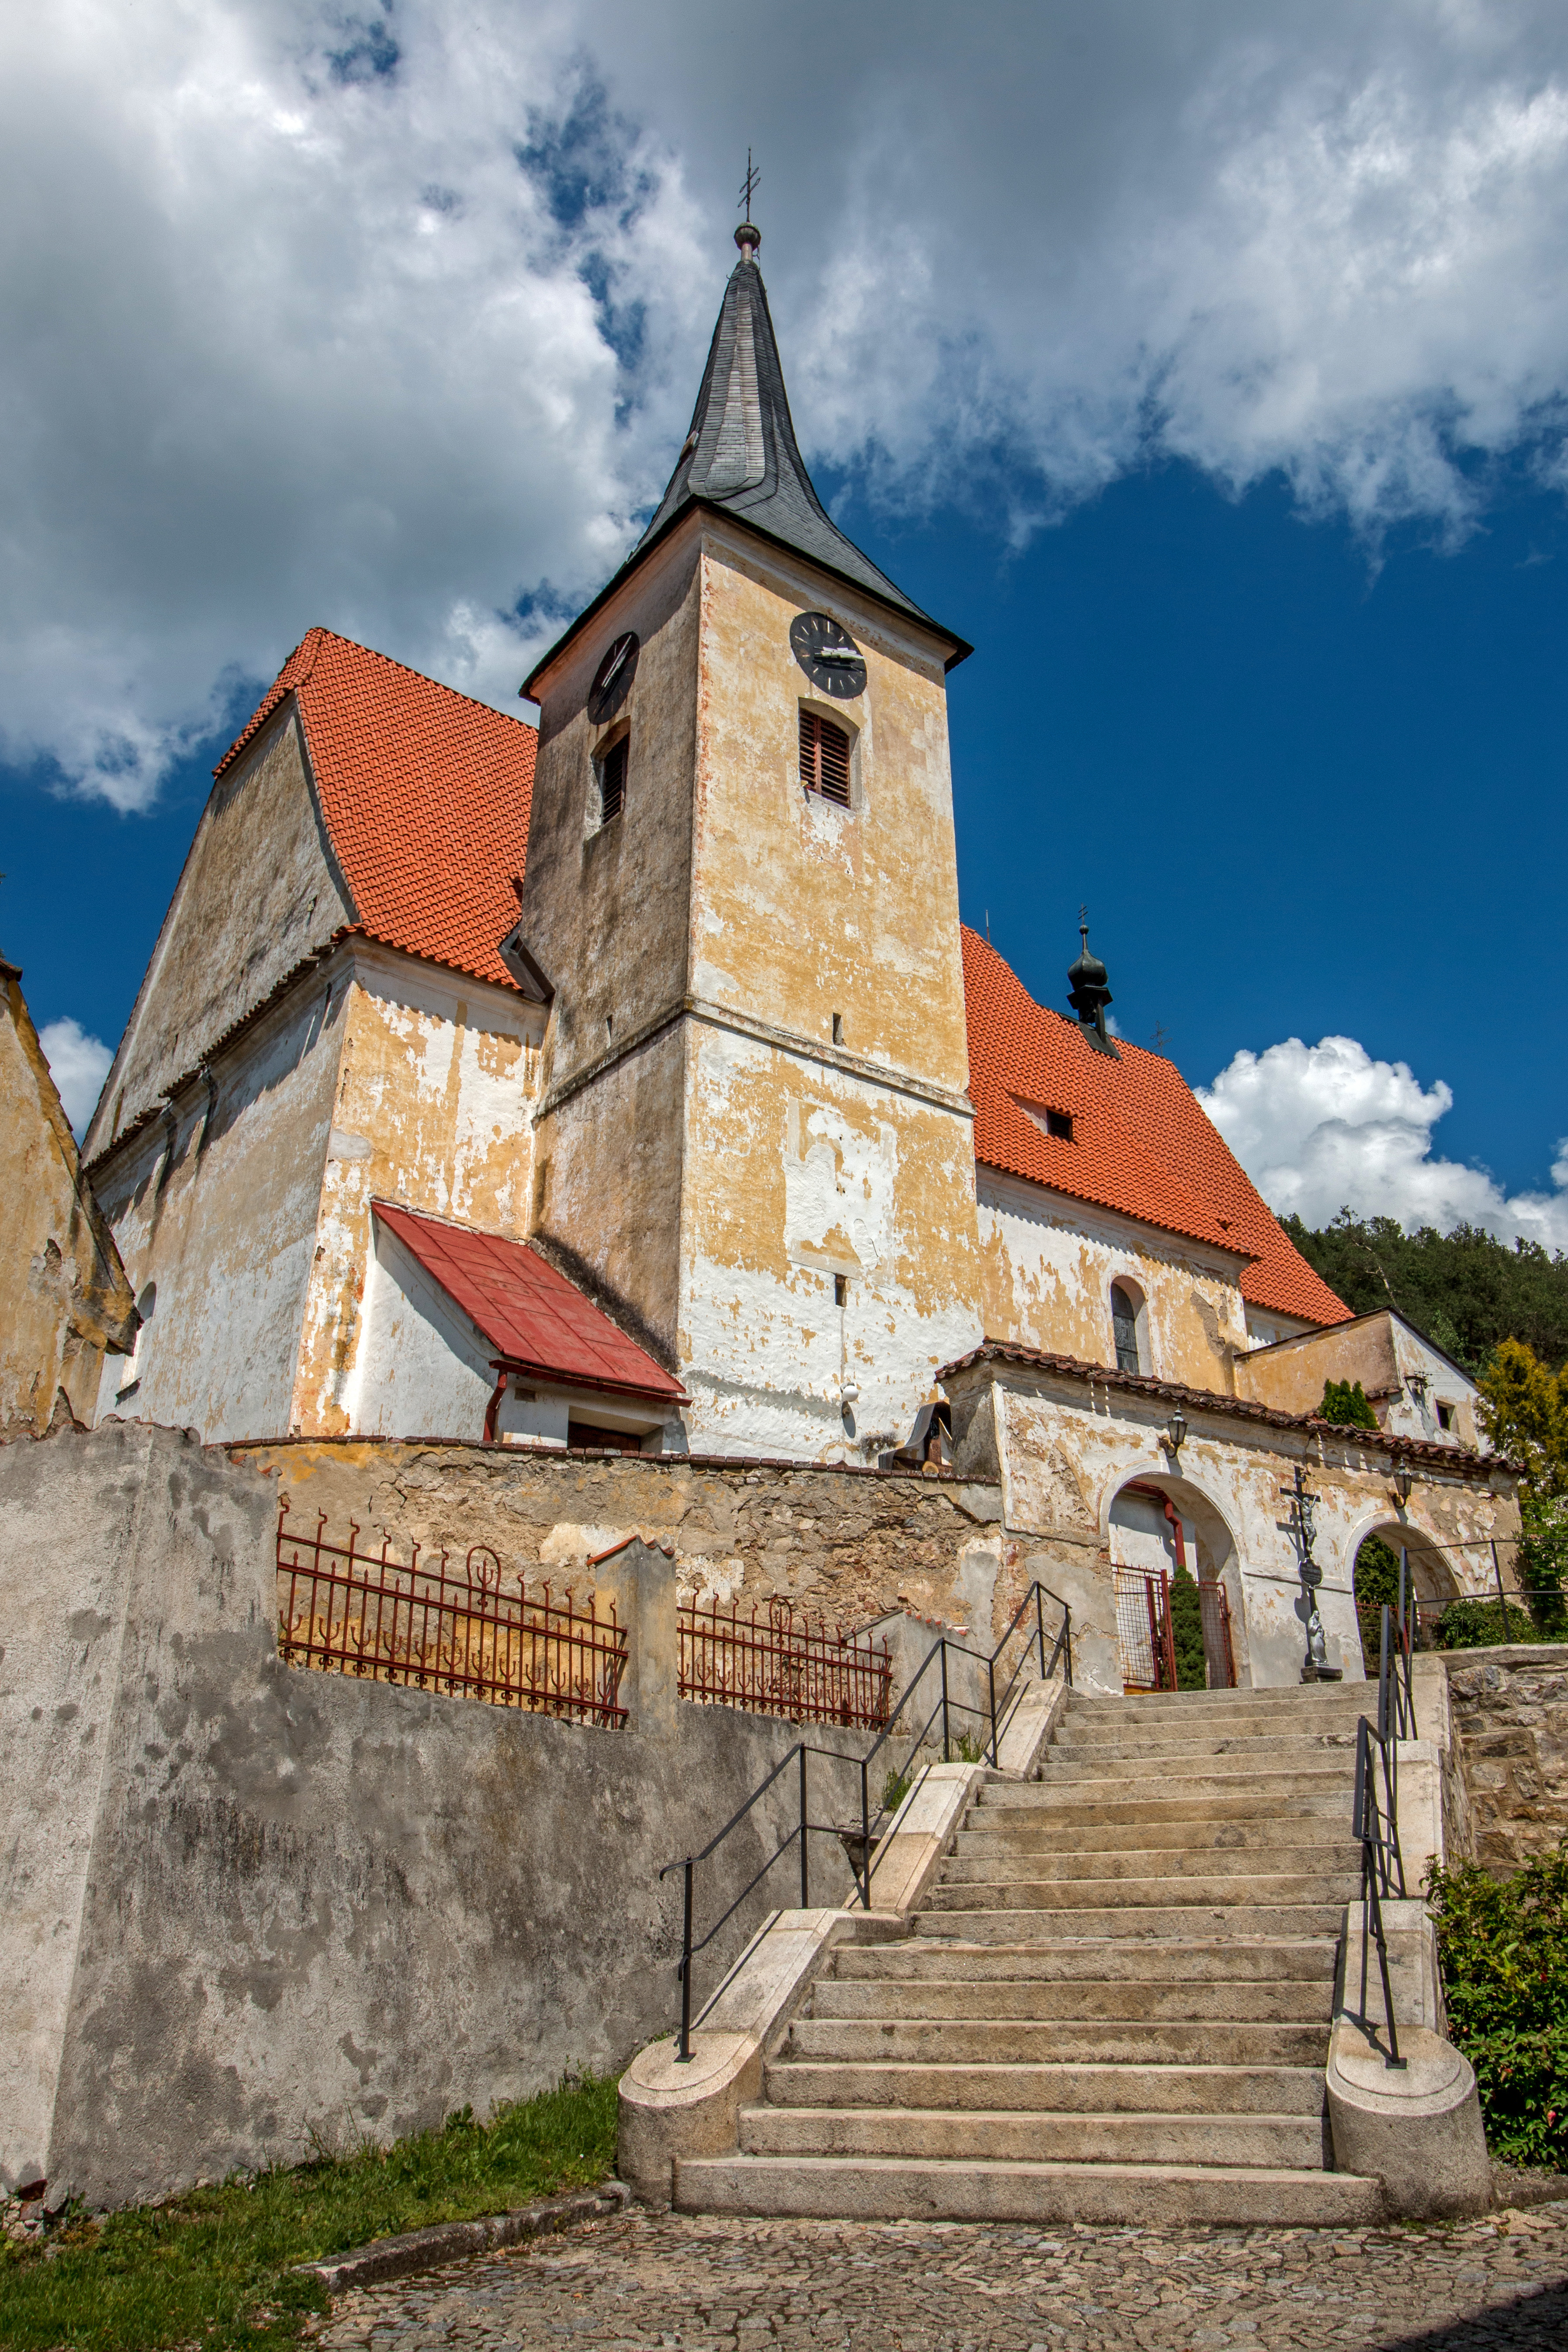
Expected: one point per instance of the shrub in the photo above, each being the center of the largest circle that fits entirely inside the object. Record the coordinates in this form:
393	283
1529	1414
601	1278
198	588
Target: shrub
1345	1403
1504	1948
1479	1625
1187	1632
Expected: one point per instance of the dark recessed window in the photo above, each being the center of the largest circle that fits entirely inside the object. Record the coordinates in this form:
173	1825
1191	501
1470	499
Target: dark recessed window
1124	1324
612	779
824	757
841	1290
1060	1123
1445	1416
838	1028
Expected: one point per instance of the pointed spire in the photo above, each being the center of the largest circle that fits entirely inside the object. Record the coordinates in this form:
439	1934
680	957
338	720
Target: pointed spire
1088	994
740	453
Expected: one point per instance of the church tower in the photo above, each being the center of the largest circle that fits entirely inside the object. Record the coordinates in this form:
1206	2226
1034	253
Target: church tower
754	1134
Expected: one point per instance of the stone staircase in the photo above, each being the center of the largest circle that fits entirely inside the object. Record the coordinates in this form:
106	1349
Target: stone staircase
1115	2000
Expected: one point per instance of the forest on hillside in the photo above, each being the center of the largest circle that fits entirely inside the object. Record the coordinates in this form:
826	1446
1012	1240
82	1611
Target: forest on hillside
1466	1290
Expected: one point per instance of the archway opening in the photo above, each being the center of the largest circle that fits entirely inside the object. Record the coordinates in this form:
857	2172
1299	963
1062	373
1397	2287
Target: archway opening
1177	1589
1375	1580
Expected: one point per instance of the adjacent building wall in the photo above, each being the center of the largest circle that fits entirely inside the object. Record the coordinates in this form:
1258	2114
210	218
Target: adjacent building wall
64	1295
245	1906
1404	1377
1048	1262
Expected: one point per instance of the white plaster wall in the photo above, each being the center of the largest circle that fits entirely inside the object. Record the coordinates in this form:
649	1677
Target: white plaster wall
222	1220
1062	1256
422	1368
837	1187
1429	1378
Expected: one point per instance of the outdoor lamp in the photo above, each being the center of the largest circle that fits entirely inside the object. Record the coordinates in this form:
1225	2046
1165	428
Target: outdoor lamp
1402	1484
1176	1430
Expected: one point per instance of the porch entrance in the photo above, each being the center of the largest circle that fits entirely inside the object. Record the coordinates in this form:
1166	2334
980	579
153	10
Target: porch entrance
1173	1611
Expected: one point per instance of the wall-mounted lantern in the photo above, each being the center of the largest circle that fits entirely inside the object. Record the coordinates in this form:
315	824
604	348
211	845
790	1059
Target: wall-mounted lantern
1403	1482
1176	1431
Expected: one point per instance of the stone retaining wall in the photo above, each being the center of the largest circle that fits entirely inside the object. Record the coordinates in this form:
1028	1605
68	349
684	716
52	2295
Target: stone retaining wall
851	1543
1509	1711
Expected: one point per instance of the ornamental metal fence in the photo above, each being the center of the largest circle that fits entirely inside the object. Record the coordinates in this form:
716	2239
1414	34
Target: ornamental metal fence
783	1665
467	1634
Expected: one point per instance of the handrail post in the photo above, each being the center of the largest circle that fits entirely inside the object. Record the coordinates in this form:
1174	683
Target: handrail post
1066	1635
990	1675
865	1840
945	1758
805	1840
1502	1597
1040	1625
683	2055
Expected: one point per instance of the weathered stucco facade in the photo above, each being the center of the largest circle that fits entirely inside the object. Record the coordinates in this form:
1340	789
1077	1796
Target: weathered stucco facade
1065	1442
753	1125
65	1301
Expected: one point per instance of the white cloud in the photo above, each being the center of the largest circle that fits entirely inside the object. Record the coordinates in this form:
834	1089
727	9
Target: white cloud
1320	1128
78	1064
392	322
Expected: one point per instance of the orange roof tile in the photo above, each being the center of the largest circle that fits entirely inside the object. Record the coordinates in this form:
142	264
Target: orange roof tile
1141	1143
426	795
532	1316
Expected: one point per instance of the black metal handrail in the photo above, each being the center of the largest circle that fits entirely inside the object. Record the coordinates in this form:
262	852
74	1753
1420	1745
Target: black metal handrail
1376	1819
998	1714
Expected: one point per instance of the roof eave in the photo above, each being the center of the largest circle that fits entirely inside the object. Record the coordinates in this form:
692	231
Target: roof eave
593	1381
961	651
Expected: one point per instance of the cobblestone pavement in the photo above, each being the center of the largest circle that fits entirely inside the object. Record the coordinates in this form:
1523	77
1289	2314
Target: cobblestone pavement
642	2281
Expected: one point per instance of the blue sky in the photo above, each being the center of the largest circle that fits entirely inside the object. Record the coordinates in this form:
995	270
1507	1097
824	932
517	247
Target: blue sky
1208	369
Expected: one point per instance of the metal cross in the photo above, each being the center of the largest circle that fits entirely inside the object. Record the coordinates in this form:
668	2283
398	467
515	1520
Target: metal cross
752	180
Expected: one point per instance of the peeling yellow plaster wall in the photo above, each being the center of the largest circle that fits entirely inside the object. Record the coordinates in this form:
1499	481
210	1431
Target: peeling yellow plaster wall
1048	1264
435	1082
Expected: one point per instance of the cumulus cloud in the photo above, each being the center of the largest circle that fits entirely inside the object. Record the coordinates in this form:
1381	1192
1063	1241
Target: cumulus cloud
390	319
1320	1128
79	1063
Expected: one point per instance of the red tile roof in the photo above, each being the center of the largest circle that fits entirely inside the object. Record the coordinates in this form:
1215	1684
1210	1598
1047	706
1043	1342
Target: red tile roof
532	1316
1141	1143
426	795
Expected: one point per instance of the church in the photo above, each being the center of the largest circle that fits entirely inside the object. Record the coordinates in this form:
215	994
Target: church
633	1085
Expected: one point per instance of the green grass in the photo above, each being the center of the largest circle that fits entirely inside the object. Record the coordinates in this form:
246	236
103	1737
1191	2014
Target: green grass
214	2268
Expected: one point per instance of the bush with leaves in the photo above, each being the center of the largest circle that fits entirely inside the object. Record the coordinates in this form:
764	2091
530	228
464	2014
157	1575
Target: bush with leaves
1345	1405
1187	1632
1524	1411
1502	1945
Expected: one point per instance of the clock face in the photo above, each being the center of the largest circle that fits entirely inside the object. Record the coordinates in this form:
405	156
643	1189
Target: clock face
613	679
828	655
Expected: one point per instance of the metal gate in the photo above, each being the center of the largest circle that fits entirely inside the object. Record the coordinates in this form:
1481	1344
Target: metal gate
1146	1637
1143	1630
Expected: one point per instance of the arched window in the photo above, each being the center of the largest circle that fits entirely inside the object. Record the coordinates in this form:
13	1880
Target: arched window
1124	1326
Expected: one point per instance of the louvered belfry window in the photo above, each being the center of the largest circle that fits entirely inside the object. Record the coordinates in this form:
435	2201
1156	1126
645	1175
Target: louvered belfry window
612	779
824	757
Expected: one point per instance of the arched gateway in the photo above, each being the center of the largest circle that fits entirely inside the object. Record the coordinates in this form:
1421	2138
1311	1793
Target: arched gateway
1163	1530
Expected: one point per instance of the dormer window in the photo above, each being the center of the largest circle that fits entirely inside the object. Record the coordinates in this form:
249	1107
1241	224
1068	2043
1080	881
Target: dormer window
1059	1124
824	757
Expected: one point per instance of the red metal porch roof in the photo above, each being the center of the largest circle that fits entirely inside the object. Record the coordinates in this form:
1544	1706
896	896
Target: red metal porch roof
532	1316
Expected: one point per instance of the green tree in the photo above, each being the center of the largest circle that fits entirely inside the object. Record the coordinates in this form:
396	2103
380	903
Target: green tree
1187	1632
1524	1412
1345	1403
1466	1289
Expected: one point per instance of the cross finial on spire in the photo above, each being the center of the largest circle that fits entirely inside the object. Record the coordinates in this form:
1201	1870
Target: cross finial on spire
747	237
1083	924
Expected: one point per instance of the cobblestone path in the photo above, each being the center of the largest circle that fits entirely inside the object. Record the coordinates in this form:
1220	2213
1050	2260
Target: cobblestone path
642	2281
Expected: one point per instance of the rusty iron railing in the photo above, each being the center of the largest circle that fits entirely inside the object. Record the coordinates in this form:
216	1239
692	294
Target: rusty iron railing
468	1635
1144	1630
783	1665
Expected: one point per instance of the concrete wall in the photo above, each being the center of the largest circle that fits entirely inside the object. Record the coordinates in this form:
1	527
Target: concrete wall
64	1296
1510	1712
240	1903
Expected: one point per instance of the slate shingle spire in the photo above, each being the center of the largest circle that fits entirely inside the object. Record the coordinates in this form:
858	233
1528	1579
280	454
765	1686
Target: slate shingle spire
741	454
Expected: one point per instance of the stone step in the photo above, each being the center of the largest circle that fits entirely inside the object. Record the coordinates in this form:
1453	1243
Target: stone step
1033	1805
1174	1922
1081	2087
1277	1747
1280	1703
1018	1836
1032	2042
1325	1857
978	2136
1320	1767
932	1959
1271	1888
1292	2000
1128	2194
